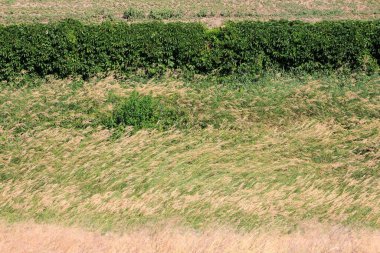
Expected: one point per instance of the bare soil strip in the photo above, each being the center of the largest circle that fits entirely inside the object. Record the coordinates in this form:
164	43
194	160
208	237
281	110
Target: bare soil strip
311	238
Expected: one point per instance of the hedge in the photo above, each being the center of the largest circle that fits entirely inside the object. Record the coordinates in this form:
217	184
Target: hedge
72	48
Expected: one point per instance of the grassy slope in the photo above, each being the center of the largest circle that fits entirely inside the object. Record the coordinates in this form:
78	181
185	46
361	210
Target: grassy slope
47	10
279	152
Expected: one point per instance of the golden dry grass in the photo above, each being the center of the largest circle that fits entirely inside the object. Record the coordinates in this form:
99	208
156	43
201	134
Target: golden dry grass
315	157
251	185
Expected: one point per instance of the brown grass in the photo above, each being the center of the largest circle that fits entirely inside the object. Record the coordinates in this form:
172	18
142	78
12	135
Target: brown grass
310	238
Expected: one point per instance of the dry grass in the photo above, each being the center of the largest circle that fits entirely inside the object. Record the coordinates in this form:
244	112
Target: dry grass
293	152
310	238
93	11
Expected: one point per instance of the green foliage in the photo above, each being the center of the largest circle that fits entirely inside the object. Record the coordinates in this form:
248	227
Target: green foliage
144	111
71	48
164	14
294	45
132	13
244	48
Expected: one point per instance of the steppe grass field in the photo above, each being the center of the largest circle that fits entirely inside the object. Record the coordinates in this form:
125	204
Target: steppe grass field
209	157
270	155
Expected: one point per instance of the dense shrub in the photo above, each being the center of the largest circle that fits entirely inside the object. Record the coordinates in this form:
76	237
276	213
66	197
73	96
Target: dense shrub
144	111
375	35
294	45
72	48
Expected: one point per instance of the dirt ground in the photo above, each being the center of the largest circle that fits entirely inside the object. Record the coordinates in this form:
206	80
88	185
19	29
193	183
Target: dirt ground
311	238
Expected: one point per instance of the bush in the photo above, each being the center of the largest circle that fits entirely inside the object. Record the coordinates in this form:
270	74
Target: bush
132	13
293	45
72	48
144	111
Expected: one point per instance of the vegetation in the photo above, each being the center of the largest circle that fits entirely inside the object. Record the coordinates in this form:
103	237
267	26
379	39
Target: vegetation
243	48
204	13
272	152
144	111
251	122
164	14
29	11
132	13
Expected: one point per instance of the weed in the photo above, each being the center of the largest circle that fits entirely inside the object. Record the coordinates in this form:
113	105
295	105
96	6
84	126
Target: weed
144	111
132	13
164	14
225	13
202	13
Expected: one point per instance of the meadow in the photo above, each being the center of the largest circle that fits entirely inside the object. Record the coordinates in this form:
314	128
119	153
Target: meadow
278	151
190	126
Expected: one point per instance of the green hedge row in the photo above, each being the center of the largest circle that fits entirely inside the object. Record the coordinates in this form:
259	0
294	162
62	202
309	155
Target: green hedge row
297	45
72	48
